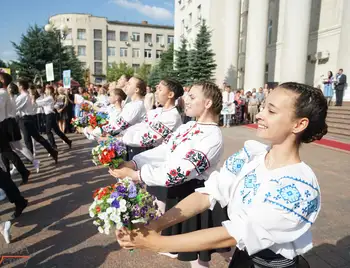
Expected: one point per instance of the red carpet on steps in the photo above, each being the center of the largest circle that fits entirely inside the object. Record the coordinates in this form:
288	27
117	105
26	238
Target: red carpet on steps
325	142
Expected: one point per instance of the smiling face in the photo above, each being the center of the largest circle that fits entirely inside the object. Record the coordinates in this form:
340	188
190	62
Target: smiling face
196	103
277	121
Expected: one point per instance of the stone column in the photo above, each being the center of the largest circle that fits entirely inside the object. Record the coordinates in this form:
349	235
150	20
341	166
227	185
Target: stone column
295	40
344	47
232	23
256	44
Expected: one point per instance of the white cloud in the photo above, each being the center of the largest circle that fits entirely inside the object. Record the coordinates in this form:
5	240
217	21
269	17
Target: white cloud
154	12
8	55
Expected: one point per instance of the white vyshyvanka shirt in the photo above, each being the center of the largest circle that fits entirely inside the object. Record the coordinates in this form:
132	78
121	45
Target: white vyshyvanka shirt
192	152
102	101
228	106
132	113
271	209
158	124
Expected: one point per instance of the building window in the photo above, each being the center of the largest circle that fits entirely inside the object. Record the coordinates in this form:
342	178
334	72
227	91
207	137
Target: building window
123	52
148	38
97	34
136	53
81	34
98	68
170	39
136	67
158	54
160	38
269	32
69	34
111	51
266	72
111	35
123	36
190	20
148	53
81	50
98	50
136	37
199	12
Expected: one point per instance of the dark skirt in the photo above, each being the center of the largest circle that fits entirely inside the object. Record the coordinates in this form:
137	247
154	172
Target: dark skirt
12	130
207	219
62	116
264	259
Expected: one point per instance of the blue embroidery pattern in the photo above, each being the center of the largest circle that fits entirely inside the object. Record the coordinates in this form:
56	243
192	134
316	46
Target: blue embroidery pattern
312	206
290	194
250	180
250	183
235	164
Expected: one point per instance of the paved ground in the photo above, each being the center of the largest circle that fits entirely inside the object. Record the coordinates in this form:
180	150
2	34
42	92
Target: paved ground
55	230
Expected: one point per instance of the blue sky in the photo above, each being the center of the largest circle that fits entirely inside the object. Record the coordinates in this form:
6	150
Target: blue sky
19	14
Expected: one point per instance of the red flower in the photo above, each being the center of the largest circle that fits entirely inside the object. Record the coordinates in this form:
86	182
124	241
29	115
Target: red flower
197	131
145	135
173	148
173	173
184	135
98	209
185	139
154	136
95	193
188	172
155	115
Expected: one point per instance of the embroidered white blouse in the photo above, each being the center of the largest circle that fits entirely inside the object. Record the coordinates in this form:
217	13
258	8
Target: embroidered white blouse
132	113
271	209
192	152
158	124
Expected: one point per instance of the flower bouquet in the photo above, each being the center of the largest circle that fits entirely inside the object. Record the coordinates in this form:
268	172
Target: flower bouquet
98	119
123	204
109	153
86	107
81	121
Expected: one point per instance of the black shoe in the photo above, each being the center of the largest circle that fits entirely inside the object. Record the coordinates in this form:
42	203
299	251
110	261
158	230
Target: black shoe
70	144
54	155
19	208
25	179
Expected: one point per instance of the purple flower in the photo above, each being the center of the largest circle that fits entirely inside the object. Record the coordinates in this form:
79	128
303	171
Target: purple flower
115	195
115	203
132	191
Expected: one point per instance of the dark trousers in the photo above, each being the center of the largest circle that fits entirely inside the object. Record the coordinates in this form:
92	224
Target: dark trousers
10	188
40	119
51	124
28	126
339	97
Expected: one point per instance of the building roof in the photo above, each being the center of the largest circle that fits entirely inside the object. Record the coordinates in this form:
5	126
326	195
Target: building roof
142	24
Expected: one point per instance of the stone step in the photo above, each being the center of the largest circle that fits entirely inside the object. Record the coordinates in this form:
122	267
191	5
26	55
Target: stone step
338	137
337	116
344	120
339	125
338	108
336	111
337	131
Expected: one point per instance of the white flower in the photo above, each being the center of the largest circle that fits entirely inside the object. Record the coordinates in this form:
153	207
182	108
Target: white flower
115	218
122	207
110	200
139	221
98	202
100	229
91	214
95	223
109	210
119	225
107	231
102	215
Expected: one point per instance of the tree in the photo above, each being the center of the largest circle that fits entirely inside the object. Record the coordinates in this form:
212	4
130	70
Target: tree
115	71
203	64
166	64
155	76
3	64
144	71
182	67
38	47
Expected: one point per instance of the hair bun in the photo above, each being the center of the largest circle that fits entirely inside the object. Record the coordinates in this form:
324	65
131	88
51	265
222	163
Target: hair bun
318	136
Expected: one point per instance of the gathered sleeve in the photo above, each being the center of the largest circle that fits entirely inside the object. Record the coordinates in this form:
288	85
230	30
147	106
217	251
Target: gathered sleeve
45	101
282	212
180	169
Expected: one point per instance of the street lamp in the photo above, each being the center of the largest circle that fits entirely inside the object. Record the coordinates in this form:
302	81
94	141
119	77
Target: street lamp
61	35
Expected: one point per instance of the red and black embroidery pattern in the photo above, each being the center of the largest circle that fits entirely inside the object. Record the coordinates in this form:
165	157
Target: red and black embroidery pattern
199	160
176	176
160	128
122	124
148	140
187	136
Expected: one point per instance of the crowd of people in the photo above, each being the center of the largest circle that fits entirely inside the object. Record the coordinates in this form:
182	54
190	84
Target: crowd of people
262	201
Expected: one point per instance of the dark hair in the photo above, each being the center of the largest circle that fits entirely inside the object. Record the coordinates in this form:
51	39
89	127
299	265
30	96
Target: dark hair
174	86
311	104
34	92
331	74
341	70
24	83
7	79
13	89
118	92
141	85
212	92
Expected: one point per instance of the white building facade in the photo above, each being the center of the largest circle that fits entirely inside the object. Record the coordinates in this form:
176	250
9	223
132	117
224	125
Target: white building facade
99	42
270	41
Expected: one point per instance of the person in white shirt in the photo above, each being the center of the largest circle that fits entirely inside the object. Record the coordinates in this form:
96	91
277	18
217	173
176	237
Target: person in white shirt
48	103
26	112
184	162
149	99
133	112
229	107
102	98
272	197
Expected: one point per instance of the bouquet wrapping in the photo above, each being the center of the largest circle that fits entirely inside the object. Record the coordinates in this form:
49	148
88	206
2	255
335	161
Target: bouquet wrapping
109	153
123	204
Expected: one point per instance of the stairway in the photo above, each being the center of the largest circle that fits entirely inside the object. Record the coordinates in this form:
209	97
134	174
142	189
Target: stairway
338	120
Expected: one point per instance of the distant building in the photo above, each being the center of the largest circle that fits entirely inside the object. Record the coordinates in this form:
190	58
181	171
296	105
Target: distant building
260	41
99	42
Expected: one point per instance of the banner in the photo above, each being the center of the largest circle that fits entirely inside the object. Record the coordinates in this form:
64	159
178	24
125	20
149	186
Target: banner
66	79
49	72
5	70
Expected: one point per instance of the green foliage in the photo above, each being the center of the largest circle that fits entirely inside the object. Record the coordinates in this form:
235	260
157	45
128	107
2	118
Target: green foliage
155	76
182	66
3	64
144	71
117	70
202	63
38	47
166	64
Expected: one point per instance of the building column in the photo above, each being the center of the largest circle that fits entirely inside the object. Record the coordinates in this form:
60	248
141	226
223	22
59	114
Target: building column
256	44
344	47
295	40
232	25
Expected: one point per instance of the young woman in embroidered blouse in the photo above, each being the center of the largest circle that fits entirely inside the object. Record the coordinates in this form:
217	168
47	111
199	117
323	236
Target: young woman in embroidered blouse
184	161
273	197
116	98
133	112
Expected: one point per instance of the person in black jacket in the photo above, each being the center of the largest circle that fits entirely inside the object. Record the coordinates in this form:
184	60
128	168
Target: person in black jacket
339	87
